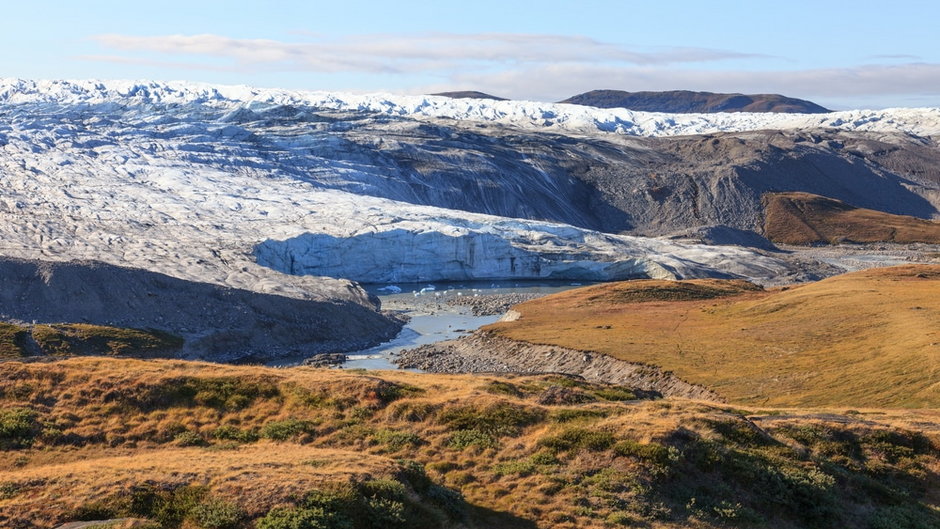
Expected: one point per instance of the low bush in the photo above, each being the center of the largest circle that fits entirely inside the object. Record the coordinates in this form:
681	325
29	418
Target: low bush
497	420
287	429
189	438
654	453
395	440
574	439
217	514
497	387
462	439
232	433
303	518
18	428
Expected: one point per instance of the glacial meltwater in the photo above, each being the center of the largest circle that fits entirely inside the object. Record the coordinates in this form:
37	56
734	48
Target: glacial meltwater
436	313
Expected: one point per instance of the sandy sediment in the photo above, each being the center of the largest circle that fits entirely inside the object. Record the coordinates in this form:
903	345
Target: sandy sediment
484	352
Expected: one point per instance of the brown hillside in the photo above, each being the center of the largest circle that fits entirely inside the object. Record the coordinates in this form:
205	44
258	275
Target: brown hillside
804	218
869	338
203	446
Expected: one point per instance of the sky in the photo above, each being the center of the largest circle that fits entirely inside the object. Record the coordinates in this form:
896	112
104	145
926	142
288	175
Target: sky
841	54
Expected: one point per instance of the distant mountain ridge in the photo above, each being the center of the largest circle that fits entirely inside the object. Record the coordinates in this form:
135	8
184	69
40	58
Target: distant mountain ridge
469	94
687	102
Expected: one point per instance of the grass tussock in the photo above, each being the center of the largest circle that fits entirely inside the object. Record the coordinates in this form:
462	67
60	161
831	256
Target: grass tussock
92	438
862	339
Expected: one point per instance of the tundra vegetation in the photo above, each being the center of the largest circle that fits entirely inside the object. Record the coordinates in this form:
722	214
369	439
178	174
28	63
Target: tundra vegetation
866	339
196	445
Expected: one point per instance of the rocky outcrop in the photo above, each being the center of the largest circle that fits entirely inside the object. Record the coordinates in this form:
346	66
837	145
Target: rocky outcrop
483	352
217	323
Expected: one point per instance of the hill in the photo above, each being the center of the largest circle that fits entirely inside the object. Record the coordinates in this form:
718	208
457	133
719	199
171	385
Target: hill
469	94
685	101
206	446
868	338
804	218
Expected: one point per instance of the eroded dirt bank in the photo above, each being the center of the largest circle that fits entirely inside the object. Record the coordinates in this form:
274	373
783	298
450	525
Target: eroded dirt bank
483	352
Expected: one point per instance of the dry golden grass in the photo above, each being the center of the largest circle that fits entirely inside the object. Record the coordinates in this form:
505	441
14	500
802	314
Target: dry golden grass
804	218
104	426
866	339
264	475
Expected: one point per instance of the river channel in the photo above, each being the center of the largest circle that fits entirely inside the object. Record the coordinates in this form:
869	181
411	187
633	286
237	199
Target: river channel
435	314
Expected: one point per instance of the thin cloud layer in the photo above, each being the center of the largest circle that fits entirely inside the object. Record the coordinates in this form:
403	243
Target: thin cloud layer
406	53
524	66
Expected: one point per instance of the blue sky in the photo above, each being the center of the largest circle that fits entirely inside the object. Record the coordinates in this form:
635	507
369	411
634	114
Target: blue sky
842	54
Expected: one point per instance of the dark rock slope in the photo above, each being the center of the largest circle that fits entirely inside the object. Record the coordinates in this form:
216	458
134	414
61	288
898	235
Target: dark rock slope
638	185
218	323
685	101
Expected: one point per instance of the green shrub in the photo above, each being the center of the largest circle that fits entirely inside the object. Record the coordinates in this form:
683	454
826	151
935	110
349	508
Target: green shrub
224	393
654	453
303	518
522	467
498	419
232	433
8	490
386	513
287	429
905	516
462	439
189	438
396	440
217	514
578	439
497	387
385	488
18	428
544	458
611	480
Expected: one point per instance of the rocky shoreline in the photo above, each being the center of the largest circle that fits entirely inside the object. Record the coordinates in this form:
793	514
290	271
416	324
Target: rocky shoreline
491	304
484	352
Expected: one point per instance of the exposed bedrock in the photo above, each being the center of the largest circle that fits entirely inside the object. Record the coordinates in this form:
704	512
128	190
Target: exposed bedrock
218	323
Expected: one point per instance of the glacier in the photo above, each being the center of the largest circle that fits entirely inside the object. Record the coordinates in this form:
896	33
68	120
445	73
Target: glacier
259	189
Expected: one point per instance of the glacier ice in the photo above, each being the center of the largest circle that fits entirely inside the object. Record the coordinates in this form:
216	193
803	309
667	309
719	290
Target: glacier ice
229	185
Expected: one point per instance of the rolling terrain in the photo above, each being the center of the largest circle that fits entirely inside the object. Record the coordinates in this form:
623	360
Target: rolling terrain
195	445
866	339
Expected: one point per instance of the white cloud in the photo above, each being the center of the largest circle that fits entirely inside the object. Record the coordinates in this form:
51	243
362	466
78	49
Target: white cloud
407	53
523	66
